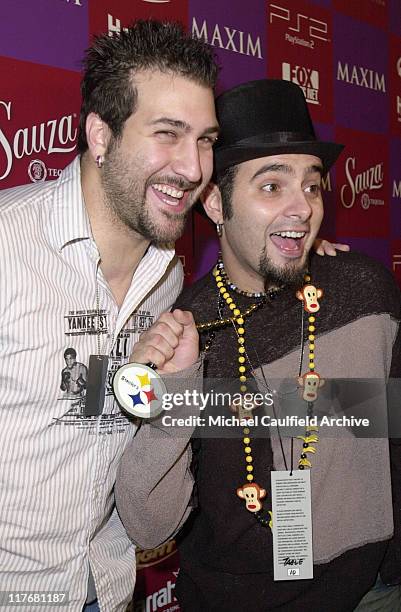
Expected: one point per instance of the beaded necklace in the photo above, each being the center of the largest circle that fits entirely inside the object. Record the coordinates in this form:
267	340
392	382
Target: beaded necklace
310	382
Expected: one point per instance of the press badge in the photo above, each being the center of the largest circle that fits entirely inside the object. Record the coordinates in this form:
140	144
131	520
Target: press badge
292	525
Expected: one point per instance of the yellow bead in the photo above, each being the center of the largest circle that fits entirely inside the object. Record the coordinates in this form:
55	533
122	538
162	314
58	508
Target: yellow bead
311	337
242	369
240	321
312	365
247	440
247	449
226	295
246	430
231	305
243	388
248	459
237	312
249	468
311	346
311	319
223	289
241	349
241	331
311	328
229	300
218	277
220	284
241	341
249	477
311	356
241	359
242	378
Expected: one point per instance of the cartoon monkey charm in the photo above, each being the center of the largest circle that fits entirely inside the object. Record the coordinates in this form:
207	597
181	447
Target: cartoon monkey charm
309	295
252	493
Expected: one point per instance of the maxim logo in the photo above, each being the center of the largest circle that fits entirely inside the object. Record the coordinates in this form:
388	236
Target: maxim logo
396	189
369	180
363	77
53	136
311	29
306	78
228	39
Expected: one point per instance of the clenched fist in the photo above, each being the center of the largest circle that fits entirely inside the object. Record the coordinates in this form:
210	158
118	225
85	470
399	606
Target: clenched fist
172	343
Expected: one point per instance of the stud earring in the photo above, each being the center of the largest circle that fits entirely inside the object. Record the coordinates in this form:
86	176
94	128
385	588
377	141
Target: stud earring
219	229
99	161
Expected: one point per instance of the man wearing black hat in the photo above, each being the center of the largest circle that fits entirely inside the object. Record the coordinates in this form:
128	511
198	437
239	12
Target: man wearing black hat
270	312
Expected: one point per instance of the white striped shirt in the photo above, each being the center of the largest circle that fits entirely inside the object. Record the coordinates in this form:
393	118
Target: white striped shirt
57	467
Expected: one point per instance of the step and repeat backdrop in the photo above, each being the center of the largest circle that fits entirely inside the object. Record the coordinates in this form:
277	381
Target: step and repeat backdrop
346	56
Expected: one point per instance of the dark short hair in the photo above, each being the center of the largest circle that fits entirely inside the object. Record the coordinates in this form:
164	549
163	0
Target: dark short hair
225	182
107	87
70	351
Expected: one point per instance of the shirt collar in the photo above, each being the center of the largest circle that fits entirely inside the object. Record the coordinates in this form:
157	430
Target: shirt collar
69	220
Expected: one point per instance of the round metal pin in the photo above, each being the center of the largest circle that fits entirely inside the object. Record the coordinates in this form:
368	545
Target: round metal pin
139	390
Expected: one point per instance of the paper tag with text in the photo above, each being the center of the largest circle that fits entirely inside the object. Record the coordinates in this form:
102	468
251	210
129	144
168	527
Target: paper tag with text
292	525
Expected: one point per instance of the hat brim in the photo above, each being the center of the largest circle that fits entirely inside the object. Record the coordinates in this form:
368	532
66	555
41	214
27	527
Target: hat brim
232	155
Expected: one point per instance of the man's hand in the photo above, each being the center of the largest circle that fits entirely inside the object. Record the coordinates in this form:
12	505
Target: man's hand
324	247
172	343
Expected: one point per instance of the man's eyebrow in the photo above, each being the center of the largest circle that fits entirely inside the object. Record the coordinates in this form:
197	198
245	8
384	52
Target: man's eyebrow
273	168
286	169
314	168
182	125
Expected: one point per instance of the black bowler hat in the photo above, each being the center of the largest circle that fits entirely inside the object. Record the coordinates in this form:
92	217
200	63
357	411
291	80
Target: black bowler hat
267	117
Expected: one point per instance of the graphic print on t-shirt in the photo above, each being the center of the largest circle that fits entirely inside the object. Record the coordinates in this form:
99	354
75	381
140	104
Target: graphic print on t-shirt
74	372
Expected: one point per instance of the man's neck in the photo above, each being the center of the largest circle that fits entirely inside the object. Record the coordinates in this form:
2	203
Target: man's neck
120	248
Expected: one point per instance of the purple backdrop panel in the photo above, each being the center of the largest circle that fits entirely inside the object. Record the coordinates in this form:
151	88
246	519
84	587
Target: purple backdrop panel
238	35
395	183
360	73
322	2
50	32
374	247
395	16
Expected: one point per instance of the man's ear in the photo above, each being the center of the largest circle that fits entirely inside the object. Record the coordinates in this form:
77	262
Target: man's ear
98	135
211	200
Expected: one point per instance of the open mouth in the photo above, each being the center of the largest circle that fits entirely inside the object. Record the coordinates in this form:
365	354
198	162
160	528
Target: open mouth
171	196
289	242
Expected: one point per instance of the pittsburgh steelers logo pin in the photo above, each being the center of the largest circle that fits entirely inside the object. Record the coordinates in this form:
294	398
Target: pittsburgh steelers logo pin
139	390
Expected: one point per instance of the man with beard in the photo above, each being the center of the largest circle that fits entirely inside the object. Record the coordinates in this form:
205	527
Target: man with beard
88	260
278	321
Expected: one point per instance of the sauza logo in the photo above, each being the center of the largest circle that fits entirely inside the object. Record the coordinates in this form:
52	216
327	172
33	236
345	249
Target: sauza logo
53	136
368	180
312	29
228	38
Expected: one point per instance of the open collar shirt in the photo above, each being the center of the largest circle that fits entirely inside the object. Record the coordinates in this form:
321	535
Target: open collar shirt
57	513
